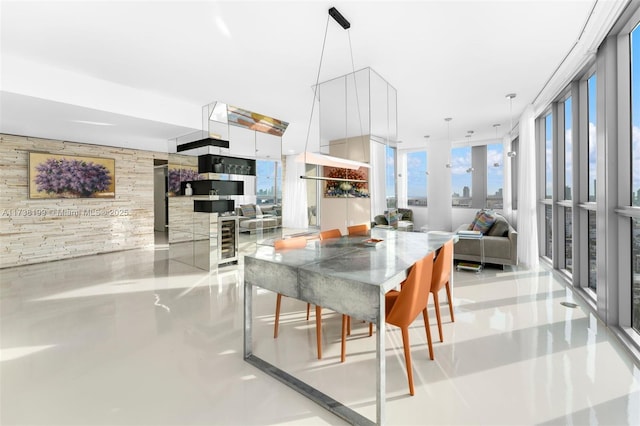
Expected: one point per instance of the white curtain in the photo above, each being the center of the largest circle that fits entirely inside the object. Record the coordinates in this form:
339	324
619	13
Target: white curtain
527	195
294	193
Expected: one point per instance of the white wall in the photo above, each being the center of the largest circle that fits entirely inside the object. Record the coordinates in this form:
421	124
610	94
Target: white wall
439	190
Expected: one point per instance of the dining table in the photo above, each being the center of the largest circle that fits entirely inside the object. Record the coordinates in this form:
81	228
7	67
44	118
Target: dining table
349	275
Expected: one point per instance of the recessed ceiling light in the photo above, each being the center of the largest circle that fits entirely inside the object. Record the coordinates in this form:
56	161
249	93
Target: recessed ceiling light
93	123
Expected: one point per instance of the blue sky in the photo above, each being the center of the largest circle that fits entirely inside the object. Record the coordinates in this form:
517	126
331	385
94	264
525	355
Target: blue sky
265	171
416	174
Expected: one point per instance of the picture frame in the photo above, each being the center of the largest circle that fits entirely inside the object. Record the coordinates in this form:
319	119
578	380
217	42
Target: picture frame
54	176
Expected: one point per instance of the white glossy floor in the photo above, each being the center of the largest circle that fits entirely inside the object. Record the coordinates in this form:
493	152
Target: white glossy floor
132	338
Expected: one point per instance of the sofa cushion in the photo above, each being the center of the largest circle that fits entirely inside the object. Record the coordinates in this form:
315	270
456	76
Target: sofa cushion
500	227
252	224
380	220
407	214
248	210
483	222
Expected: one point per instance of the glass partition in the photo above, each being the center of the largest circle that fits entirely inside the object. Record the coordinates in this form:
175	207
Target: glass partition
355	110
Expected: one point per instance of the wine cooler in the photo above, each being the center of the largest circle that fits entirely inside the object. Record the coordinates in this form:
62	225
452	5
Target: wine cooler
228	235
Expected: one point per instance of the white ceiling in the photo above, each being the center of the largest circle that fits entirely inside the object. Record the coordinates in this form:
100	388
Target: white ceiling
148	67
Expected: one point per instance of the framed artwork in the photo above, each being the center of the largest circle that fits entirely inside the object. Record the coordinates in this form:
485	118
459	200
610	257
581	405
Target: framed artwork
71	176
351	183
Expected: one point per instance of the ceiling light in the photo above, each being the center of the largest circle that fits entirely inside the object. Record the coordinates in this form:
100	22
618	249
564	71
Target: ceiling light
93	123
320	159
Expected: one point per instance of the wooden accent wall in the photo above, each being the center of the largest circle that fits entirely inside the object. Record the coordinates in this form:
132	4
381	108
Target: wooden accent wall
33	231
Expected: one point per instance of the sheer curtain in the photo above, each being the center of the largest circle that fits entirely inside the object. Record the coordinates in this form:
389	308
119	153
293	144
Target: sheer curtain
294	195
527	200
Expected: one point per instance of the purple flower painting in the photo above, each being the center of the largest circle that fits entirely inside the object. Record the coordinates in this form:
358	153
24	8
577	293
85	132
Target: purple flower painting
71	177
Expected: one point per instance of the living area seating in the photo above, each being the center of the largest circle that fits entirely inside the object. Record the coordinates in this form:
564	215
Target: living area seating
252	217
500	240
382	219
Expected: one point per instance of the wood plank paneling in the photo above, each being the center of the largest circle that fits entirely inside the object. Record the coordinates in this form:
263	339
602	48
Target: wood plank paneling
33	231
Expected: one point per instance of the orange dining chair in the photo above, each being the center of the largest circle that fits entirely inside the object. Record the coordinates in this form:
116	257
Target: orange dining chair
290	243
331	233
358	229
442	278
403	307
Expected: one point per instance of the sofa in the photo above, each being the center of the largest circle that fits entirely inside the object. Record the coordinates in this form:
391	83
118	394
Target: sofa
381	219
499	238
252	217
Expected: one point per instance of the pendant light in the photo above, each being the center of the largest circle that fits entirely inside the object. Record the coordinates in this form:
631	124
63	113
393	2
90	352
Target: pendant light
448	120
510	96
495	126
318	158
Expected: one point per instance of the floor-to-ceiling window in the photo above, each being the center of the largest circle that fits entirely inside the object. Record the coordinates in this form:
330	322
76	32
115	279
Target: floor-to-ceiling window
268	182
592	154
634	141
588	142
417	178
548	186
461	176
565	205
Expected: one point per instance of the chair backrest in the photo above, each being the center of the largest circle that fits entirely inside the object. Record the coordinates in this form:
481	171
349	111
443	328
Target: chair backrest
442	266
331	233
414	293
358	229
289	243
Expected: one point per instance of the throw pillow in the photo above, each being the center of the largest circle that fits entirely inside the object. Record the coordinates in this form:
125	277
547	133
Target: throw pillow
258	210
248	210
500	228
389	214
475	219
394	218
484	222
